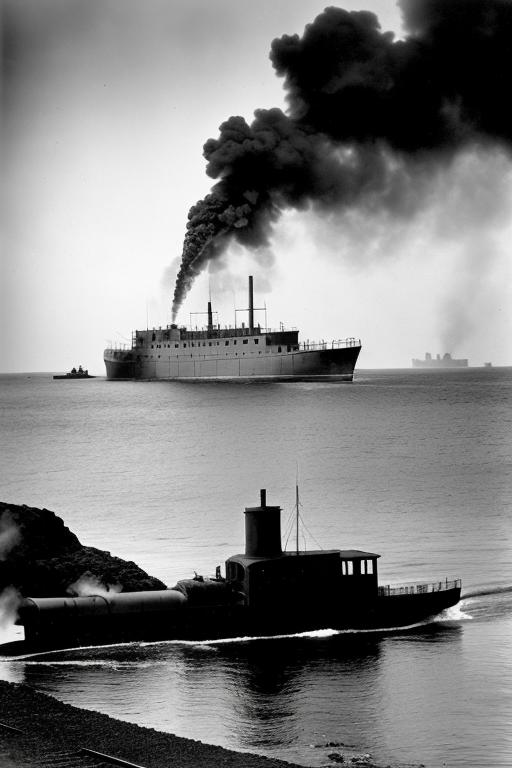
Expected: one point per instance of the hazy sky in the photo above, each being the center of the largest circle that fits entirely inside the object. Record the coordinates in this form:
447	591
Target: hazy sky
106	107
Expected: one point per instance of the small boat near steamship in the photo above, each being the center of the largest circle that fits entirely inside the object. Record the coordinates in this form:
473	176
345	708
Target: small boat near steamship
75	373
265	592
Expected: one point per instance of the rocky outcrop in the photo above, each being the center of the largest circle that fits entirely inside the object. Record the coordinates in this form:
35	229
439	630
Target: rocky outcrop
41	557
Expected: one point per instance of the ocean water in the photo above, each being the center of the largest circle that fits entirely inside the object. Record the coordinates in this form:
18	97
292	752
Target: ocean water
415	465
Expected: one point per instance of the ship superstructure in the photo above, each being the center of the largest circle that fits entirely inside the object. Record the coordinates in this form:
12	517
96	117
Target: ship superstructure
215	353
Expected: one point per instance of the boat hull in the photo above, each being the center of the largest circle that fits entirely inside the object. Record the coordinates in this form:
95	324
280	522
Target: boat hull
312	365
102	625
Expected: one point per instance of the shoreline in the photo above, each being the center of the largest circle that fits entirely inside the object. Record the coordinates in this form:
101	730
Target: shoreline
51	729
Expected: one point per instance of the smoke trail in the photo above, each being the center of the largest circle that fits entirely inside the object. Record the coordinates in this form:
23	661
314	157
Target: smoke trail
366	114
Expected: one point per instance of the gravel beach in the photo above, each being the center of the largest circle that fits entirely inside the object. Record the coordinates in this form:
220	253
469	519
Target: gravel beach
53	733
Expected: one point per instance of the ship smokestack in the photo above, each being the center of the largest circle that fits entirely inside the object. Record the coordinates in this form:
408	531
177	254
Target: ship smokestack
251	309
263	529
210	317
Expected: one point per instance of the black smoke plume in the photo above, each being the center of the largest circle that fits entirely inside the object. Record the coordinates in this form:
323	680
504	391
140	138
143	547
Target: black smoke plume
362	107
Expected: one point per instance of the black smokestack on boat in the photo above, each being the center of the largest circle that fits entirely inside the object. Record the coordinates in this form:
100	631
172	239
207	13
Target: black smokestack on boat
367	116
263	530
210	317
251	311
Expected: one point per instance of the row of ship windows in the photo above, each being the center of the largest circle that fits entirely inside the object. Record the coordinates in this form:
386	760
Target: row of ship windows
217	343
210	344
267	351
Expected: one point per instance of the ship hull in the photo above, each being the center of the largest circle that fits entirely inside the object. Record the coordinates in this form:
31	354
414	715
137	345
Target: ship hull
215	622
311	365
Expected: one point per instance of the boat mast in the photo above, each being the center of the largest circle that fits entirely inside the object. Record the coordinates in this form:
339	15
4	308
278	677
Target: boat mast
297	517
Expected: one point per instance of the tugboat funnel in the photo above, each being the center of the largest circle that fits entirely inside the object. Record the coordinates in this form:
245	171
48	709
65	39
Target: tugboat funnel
263	529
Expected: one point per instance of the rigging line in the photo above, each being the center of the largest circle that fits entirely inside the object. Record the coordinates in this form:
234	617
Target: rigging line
289	528
289	525
309	532
286	522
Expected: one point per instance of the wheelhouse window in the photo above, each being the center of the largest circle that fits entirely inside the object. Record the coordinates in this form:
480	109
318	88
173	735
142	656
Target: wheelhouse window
347	567
235	571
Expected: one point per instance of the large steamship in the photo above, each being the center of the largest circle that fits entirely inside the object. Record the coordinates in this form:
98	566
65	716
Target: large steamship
214	353
265	591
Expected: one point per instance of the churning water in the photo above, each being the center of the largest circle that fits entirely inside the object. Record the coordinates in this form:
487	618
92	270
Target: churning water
416	465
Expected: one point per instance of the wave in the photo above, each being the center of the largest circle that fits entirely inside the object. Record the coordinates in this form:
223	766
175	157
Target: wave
454	613
35	654
487	591
110	663
312	634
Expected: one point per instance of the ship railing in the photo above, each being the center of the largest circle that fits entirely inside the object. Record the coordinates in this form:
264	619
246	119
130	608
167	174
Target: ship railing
312	346
419	588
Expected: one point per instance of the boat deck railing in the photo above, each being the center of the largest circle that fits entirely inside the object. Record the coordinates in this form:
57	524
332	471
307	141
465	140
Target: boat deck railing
311	346
419	588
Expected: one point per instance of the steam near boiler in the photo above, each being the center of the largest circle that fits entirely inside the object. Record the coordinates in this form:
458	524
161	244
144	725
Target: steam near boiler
10	600
365	110
89	584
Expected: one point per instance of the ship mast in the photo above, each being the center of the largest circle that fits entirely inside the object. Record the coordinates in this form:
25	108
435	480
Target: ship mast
297	517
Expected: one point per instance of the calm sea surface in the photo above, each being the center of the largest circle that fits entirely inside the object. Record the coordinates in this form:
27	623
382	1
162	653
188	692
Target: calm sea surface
416	465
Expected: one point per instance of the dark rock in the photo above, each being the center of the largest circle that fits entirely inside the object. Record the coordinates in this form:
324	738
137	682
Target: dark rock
41	557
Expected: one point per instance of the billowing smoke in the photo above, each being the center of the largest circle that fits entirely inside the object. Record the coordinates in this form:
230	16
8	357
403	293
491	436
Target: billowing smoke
366	114
89	584
10	534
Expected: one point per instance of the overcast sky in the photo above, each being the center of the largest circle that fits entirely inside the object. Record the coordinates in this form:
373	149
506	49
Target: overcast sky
106	107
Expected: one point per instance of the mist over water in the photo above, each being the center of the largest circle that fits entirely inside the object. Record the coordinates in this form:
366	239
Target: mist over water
415	465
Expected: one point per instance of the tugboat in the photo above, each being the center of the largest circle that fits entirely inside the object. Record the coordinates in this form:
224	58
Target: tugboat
265	592
75	373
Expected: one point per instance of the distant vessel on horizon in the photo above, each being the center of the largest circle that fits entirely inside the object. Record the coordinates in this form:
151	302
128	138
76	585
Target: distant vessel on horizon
446	361
213	353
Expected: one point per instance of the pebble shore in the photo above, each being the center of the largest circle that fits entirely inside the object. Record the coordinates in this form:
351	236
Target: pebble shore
51	729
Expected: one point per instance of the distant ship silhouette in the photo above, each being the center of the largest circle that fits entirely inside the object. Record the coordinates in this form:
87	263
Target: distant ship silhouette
446	361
